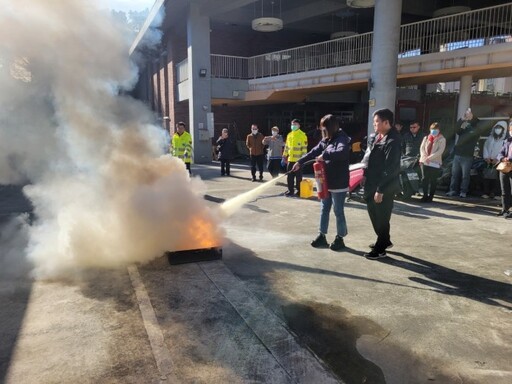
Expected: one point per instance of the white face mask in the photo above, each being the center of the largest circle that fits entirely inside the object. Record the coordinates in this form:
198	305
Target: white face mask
498	130
254	131
274	133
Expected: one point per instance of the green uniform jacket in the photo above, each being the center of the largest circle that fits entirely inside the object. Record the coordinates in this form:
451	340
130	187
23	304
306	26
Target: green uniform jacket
181	147
296	145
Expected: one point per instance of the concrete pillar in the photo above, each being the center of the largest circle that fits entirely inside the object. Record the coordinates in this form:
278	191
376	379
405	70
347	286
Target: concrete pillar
199	68
386	37
466	82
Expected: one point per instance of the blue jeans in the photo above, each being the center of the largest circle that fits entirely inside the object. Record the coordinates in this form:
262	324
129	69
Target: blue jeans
461	166
338	199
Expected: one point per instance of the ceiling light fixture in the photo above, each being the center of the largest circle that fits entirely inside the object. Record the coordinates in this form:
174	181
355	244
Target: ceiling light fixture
339	35
347	25
269	23
448	11
361	3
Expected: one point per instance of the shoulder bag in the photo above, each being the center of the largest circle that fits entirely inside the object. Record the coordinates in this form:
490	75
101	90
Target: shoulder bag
504	167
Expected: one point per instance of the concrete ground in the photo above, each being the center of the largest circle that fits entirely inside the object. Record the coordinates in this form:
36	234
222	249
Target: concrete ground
275	310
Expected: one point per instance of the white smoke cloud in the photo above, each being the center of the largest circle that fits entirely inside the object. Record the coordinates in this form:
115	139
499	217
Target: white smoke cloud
104	195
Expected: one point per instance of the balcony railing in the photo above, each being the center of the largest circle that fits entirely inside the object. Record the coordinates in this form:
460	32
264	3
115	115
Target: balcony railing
231	67
486	26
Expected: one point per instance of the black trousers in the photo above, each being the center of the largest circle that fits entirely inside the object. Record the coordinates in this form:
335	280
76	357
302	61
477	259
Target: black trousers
293	177
506	190
380	215
225	166
491	186
273	166
187	165
429	180
256	160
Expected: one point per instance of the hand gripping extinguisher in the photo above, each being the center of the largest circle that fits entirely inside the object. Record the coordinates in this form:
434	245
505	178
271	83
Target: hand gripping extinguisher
321	179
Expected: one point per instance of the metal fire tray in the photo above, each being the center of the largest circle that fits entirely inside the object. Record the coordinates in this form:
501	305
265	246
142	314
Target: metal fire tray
194	255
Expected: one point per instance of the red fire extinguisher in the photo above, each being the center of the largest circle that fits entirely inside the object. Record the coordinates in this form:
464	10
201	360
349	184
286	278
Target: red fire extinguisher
321	179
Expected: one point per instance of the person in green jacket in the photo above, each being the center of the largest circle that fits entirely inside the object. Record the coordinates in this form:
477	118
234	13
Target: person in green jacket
181	145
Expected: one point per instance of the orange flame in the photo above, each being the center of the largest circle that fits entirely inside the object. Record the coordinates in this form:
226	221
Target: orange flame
202	233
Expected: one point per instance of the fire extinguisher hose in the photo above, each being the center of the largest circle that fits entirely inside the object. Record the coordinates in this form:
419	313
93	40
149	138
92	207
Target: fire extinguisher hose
306	163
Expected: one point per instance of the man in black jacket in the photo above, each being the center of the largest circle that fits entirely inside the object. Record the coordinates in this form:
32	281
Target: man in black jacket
381	180
464	149
411	141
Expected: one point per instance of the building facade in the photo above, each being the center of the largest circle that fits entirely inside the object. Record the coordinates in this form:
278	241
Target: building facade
228	64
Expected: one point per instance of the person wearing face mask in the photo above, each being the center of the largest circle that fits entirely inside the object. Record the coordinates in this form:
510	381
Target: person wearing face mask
505	156
492	148
254	142
225	148
296	146
431	159
275	151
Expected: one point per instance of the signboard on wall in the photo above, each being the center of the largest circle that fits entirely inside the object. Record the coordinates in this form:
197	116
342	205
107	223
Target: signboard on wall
210	125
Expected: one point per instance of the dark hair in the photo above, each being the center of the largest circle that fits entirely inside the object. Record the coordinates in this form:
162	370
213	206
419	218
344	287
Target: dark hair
296	121
415	122
181	124
385	115
331	124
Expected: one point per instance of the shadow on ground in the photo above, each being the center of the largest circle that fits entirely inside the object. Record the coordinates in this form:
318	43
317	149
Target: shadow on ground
451	282
15	282
330	331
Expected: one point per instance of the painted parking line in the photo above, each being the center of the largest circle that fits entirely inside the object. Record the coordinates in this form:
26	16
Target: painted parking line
156	338
301	365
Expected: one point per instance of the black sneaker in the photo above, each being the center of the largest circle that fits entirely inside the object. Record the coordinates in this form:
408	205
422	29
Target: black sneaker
337	244
389	246
374	255
253	179
320	241
261	177
508	215
289	194
502	213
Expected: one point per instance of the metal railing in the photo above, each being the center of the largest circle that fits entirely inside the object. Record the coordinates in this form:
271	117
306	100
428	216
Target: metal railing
464	30
230	67
486	26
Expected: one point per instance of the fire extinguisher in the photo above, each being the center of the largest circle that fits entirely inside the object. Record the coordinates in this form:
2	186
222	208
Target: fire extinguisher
321	179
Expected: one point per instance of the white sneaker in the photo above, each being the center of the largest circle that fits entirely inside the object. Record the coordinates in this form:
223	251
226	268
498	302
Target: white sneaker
462	194
484	196
451	193
497	198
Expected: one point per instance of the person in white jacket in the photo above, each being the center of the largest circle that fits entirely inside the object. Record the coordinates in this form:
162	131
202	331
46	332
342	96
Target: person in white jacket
431	159
492	148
